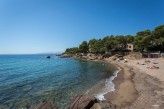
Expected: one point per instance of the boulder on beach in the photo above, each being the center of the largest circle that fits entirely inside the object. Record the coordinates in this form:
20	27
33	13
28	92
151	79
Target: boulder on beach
107	105
83	102
96	106
89	102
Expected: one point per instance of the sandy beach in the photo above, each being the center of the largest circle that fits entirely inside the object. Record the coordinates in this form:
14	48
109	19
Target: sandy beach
137	86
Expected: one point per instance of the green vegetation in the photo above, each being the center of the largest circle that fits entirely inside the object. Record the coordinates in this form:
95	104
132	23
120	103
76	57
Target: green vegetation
72	50
143	41
83	48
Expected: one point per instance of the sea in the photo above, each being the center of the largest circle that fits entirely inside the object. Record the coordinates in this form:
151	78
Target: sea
27	80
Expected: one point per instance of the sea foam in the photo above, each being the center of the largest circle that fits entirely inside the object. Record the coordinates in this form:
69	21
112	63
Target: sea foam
109	86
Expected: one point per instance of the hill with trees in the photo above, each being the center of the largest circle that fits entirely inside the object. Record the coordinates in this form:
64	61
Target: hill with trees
144	41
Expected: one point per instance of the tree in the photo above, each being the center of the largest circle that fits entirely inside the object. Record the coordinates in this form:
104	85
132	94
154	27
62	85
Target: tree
94	46
101	48
129	39
158	38
143	40
120	42
83	47
109	43
158	32
73	50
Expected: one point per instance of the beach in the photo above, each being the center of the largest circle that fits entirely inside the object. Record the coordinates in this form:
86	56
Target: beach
137	86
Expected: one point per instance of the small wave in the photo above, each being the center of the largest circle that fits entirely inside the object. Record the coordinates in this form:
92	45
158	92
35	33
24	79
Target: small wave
109	86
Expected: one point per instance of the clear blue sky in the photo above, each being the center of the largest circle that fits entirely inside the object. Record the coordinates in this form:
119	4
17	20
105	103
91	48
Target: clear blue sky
41	26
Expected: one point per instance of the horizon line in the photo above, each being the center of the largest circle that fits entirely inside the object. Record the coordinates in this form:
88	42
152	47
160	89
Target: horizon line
29	53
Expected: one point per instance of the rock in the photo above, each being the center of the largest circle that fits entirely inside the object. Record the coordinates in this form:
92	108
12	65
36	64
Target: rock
48	57
96	106
65	55
44	105
106	105
58	54
82	102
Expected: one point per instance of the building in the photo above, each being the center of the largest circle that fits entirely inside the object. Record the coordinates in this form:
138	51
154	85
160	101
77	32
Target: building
151	55
130	47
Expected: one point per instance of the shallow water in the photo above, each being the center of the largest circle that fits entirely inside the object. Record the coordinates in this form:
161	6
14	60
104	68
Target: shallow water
26	80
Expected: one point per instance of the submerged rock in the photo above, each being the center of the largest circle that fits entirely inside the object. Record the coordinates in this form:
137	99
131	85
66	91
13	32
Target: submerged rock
44	105
48	57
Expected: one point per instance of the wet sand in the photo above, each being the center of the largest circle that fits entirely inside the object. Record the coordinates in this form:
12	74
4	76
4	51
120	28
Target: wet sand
125	92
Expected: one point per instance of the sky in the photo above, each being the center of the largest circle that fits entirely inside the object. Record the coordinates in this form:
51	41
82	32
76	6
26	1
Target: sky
49	26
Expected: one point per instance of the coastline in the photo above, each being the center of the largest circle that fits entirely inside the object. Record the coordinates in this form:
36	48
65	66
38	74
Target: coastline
123	92
105	86
136	87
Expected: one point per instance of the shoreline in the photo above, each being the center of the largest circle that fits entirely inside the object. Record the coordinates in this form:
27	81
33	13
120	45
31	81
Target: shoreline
120	96
125	92
135	87
105	86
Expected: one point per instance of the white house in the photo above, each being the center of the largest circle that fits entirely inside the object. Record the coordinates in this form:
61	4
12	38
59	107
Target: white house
130	47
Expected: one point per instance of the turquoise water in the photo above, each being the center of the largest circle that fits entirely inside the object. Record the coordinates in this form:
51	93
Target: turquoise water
26	80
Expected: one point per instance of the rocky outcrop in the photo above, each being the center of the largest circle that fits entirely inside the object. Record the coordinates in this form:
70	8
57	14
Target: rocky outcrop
82	102
45	105
65	55
86	56
96	106
89	102
90	56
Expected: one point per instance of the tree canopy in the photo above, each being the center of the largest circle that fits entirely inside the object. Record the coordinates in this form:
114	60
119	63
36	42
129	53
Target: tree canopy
83	47
146	40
